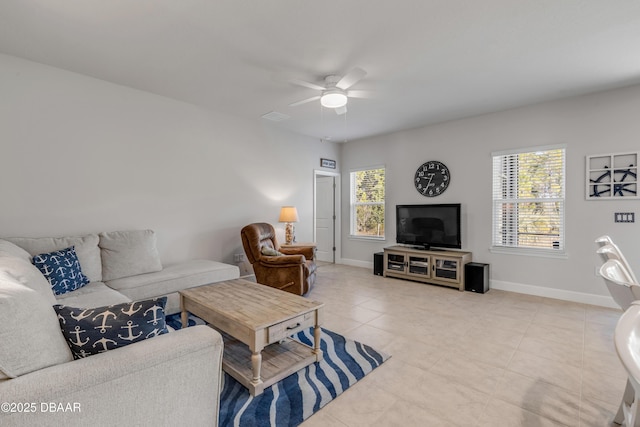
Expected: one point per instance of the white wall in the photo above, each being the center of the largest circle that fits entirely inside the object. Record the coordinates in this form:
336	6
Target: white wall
606	122
81	155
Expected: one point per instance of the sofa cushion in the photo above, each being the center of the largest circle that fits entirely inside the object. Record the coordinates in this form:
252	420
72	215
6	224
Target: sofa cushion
28	275
29	333
11	249
91	331
62	270
128	253
95	294
174	278
86	248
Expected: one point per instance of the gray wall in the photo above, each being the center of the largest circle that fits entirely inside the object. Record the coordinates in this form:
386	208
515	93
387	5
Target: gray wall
606	122
81	155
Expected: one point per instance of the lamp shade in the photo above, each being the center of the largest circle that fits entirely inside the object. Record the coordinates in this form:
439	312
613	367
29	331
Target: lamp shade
288	214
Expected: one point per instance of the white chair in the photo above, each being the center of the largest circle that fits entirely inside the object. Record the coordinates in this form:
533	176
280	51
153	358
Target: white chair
604	239
626	339
622	288
610	250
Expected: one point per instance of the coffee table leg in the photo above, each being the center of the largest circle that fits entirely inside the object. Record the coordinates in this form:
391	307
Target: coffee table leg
256	366
183	315
184	319
316	343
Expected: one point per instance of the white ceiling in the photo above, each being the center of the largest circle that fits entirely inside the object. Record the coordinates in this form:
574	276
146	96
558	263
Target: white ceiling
427	60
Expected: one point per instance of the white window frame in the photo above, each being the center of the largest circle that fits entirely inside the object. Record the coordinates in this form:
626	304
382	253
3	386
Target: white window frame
497	202
353	204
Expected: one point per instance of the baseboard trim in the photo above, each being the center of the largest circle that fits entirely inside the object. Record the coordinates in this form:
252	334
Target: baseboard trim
580	297
540	291
356	263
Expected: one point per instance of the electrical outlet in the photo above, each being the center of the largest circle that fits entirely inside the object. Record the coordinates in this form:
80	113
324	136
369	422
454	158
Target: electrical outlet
596	271
238	258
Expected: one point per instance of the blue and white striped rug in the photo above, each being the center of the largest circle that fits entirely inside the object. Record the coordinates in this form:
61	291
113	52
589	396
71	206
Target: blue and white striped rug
297	397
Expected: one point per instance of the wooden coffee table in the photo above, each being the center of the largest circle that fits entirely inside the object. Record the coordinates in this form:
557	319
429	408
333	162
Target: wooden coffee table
258	322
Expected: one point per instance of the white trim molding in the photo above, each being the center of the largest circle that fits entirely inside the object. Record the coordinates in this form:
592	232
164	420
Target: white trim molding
579	297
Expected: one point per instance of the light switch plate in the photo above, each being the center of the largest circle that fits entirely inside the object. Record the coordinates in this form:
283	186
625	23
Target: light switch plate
625	217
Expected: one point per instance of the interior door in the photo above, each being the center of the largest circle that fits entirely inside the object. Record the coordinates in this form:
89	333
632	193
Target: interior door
325	218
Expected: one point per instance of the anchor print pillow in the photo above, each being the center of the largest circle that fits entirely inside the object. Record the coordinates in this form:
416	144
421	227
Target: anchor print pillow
91	331
62	270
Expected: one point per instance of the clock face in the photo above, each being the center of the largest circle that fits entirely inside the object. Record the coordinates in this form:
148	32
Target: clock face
432	178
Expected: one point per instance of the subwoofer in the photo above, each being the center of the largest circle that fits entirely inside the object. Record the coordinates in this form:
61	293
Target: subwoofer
476	277
378	263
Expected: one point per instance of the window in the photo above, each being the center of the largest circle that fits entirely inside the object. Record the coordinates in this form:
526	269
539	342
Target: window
528	199
367	203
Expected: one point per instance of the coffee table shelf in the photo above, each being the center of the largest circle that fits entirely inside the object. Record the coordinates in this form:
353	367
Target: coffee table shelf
279	360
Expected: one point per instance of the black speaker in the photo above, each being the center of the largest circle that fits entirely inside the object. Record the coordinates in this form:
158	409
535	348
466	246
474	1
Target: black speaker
378	263
476	277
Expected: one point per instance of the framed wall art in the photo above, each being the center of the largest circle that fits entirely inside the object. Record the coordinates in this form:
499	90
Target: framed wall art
612	176
328	163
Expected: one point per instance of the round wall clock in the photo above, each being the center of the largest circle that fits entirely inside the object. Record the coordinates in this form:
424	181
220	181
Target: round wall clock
432	178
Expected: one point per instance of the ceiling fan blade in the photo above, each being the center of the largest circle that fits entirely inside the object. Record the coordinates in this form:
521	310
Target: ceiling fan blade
304	101
306	84
359	94
341	110
351	78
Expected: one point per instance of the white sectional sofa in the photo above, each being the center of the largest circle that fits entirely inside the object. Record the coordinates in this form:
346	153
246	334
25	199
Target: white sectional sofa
170	379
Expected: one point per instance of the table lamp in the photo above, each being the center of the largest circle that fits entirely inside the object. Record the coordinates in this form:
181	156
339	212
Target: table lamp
289	214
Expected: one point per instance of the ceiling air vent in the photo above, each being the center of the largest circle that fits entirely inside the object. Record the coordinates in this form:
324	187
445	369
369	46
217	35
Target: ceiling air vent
274	116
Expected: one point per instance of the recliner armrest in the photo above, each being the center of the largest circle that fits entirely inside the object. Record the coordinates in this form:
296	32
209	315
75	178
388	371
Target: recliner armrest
282	261
309	252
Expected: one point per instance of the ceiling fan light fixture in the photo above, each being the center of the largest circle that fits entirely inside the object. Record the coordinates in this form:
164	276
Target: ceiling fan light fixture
333	99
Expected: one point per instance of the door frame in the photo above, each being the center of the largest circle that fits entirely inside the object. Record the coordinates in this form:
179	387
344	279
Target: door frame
336	204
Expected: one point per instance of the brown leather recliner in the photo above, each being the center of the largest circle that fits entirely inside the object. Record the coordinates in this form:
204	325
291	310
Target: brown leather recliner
294	271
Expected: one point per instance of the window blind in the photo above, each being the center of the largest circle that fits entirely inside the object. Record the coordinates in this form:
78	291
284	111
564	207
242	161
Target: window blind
529	199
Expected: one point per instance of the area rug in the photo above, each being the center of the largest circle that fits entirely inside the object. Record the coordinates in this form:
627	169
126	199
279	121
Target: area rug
297	397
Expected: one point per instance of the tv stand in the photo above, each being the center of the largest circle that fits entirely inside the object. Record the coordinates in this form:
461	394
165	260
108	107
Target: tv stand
436	266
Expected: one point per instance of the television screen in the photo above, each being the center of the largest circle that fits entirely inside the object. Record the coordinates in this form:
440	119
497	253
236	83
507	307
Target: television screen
435	225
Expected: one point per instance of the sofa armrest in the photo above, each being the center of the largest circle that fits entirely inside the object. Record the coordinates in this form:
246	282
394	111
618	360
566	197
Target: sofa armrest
172	379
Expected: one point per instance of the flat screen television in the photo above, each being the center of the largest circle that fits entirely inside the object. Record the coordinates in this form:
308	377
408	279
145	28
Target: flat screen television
429	226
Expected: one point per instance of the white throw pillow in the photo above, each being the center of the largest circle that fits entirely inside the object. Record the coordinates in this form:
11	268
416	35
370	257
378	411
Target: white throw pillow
10	249
86	248
128	253
29	331
28	275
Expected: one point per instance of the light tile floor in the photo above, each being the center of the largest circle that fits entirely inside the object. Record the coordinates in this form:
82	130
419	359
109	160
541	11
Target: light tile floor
466	359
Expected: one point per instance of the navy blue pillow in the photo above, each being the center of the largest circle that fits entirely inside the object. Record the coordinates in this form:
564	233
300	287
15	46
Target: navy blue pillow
95	330
62	270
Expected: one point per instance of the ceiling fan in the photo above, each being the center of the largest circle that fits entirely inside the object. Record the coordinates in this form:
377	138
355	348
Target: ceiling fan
334	93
